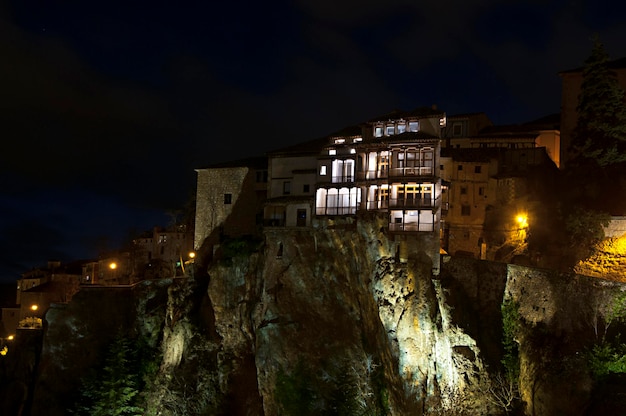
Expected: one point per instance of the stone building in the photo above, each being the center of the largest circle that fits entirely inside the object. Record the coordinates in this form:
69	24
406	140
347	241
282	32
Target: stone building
229	201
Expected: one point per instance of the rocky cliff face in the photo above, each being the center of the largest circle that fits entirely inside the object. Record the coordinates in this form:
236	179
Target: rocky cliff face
340	318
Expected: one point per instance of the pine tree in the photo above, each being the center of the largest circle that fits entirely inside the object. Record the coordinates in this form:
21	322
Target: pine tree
600	133
113	391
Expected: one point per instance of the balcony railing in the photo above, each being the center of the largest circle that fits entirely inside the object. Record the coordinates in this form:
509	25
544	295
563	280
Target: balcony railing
395	173
412	227
335	211
416	203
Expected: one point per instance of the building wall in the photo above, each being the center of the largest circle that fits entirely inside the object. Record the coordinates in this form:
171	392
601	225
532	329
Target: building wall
297	171
229	203
212	209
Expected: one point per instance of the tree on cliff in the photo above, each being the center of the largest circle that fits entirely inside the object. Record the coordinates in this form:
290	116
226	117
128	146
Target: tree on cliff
114	389
600	134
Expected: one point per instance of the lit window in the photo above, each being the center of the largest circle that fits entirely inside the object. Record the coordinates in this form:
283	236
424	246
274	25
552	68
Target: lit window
390	130
357	140
228	199
414	126
340	141
332	152
442	121
378	132
323	170
353	151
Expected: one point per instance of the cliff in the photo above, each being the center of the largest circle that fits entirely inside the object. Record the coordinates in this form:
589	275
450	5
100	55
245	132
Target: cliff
339	318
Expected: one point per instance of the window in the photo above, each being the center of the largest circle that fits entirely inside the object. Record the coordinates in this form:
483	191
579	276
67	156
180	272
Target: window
357	140
323	170
340	141
390	130
440	167
465	210
261	176
460	167
378	132
306	188
401	128
286	188
457	129
332	152
481	191
477	169
414	126
228	199
463	190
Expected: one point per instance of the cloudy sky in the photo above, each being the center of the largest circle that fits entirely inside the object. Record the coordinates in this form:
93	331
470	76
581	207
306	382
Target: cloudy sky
107	108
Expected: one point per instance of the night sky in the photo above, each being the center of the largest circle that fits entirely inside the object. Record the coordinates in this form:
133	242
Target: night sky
107	108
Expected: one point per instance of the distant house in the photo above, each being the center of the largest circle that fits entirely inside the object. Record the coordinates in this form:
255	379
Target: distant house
160	252
36	289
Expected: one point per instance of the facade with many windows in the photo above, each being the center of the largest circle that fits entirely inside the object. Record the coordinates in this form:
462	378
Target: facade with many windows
386	165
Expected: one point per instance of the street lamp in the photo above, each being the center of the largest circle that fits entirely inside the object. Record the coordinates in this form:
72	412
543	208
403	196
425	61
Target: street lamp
522	220
34	307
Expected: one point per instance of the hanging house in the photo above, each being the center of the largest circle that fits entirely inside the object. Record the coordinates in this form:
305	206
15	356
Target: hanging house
389	165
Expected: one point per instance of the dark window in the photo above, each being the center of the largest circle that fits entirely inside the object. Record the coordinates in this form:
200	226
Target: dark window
481	191
460	167
306	188
261	176
477	169
463	190
440	167
228	199
465	210
286	188
457	129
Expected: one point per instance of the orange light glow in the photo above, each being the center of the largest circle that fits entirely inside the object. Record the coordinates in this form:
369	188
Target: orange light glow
522	220
113	266
34	307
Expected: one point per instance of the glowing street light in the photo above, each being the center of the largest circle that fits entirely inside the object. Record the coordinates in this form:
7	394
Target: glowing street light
113	265
34	307
522	220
